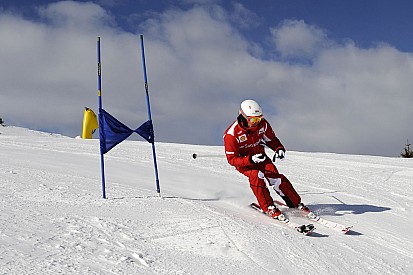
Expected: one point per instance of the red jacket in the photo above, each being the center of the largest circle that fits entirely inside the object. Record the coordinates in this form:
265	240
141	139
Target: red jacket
240	143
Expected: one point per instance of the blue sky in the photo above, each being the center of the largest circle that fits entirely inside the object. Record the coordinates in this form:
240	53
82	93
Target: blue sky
332	76
365	22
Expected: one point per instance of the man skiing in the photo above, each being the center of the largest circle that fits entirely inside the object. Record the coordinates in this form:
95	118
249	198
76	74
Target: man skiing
244	142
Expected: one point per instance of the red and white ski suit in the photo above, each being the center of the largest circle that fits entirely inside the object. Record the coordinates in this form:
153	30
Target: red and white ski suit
240	144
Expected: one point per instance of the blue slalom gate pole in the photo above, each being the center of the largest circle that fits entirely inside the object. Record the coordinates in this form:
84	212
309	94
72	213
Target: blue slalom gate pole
145	78
102	162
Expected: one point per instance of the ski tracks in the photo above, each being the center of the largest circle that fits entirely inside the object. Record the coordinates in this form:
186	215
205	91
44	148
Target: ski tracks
254	235
111	243
73	245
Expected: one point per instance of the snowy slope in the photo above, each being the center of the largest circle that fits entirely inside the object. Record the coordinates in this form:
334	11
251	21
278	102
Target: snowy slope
53	219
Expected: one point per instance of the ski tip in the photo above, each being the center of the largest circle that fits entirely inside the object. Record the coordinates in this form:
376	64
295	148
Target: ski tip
346	229
254	205
311	229
306	229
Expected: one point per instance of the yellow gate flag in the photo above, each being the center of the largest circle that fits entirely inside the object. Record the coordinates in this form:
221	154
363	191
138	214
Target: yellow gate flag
90	123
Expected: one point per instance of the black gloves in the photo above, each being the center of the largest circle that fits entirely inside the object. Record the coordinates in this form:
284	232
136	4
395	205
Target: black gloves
257	158
280	153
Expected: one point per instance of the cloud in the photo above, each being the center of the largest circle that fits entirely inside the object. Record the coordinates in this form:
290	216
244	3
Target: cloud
49	66
69	14
200	67
243	17
295	38
352	100
205	64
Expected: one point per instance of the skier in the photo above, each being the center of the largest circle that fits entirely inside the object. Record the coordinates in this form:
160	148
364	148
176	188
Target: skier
244	142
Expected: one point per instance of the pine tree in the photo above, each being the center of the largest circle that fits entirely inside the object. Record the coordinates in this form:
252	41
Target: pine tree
408	153
1	121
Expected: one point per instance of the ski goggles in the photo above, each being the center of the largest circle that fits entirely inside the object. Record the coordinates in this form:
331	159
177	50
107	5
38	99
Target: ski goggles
254	120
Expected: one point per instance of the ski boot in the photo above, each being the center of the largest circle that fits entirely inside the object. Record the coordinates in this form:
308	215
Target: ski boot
275	213
306	210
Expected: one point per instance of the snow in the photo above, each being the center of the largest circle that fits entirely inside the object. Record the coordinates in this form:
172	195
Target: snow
53	218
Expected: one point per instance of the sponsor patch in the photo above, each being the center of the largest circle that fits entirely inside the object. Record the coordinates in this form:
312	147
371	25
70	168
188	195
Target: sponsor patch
242	138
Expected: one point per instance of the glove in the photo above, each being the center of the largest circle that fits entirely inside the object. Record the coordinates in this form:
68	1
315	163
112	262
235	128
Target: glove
280	153
257	158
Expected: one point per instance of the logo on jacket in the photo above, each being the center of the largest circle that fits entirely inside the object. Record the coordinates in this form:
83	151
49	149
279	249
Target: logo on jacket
242	138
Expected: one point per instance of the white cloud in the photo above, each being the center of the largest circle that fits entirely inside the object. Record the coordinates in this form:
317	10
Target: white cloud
199	69
76	15
352	100
243	17
48	71
295	38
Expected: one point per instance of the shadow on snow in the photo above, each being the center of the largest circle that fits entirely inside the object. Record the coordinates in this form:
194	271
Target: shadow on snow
344	209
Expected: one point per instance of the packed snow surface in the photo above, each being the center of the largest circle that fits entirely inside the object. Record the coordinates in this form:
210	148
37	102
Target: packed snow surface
54	220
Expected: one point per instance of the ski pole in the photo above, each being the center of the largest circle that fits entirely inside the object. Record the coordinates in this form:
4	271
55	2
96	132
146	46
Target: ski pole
262	143
195	155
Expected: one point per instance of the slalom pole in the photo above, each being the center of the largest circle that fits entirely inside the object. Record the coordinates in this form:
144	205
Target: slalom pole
102	161
145	78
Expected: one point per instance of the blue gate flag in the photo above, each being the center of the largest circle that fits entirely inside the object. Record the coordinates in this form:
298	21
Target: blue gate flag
146	131
113	132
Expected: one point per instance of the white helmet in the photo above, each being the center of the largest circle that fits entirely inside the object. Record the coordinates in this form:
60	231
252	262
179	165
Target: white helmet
250	114
251	108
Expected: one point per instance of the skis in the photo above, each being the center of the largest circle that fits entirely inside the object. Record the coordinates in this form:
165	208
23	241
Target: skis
329	224
304	229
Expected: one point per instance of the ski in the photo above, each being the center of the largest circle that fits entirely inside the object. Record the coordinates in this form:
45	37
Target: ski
313	217
304	229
